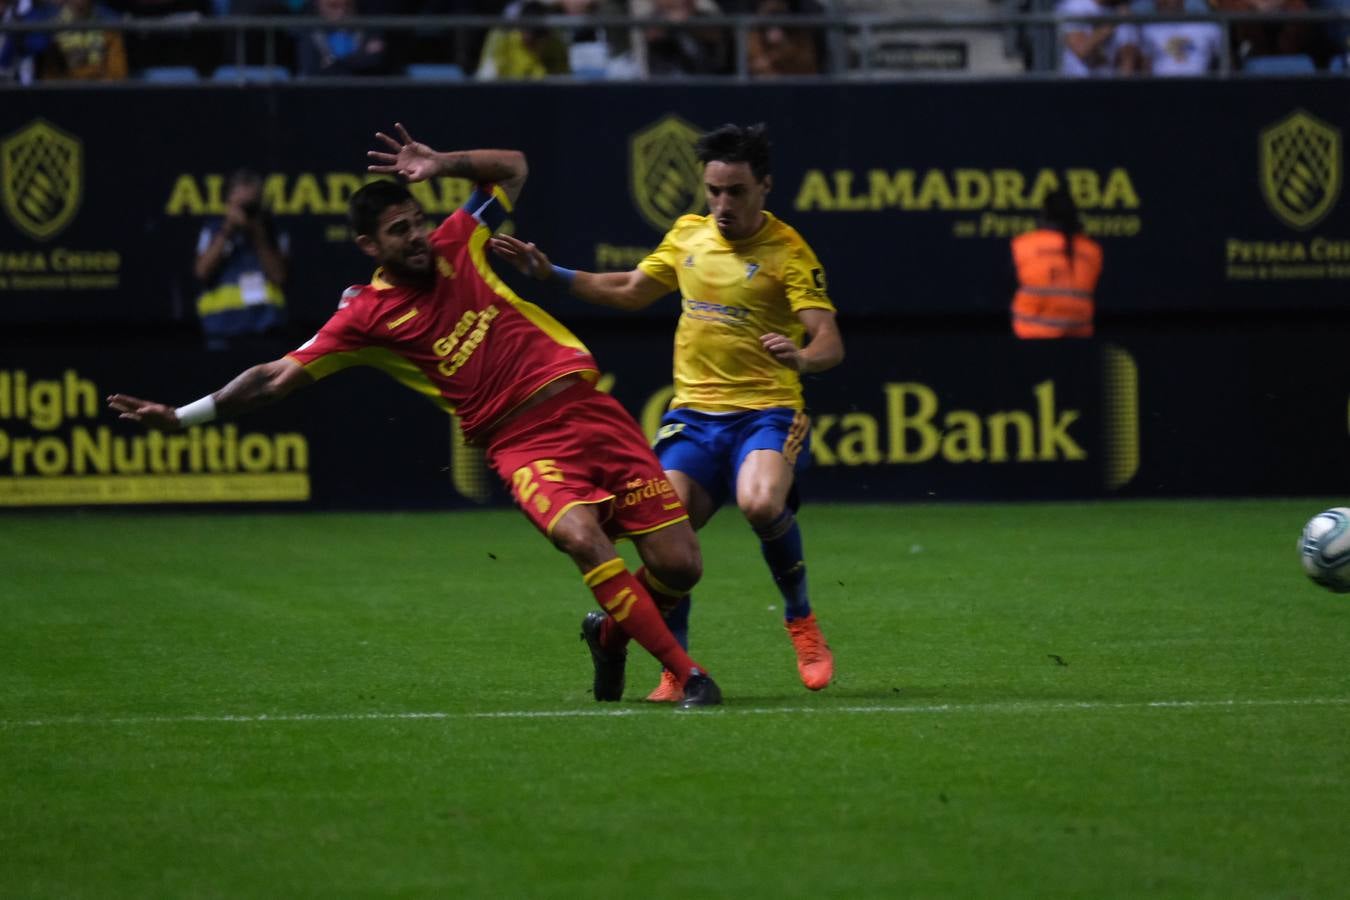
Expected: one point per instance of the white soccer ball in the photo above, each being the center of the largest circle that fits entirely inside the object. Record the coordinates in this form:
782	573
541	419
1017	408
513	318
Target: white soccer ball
1324	549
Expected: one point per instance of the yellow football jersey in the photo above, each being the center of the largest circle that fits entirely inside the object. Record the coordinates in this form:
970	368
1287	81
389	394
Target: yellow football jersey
731	292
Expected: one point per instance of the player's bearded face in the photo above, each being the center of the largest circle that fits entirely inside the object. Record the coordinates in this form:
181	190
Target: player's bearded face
735	198
401	240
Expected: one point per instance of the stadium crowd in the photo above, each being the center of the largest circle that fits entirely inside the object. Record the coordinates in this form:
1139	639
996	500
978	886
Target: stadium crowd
523	45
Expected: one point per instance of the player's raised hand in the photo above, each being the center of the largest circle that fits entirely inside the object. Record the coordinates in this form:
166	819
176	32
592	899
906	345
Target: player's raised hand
405	157
527	258
145	412
782	348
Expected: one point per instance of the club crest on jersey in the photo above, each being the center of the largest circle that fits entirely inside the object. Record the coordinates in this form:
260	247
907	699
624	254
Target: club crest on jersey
750	270
444	267
689	261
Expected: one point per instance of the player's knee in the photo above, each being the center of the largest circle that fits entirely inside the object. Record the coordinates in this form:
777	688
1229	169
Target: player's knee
673	558
761	510
681	569
582	538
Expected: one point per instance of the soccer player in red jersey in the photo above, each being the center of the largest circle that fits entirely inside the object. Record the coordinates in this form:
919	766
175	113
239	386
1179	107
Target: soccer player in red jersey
436	318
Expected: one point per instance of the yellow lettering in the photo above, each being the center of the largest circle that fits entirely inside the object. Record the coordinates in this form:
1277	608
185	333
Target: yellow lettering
973	189
920	422
891	189
814	194
1054	428
843	189
185	199
306	196
1119	191
1009	185
934	192
861	442
1046	181
1084	188
998	436
962	440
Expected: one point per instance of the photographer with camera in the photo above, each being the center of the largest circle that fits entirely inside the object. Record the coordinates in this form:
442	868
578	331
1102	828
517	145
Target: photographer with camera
241	263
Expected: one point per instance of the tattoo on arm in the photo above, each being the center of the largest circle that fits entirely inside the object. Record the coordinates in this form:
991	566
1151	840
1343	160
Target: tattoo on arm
458	165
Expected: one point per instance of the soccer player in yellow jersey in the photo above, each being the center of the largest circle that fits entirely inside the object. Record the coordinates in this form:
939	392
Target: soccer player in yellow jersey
754	316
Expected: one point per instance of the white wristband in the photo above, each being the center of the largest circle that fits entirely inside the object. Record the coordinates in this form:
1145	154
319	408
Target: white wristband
197	412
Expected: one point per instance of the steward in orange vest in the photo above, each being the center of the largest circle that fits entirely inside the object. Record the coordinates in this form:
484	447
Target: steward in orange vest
1057	272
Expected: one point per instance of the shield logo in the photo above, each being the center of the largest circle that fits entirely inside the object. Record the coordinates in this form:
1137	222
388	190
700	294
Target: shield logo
666	177
1301	169
42	168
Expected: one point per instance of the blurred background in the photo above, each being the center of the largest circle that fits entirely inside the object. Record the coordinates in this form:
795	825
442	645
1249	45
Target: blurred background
1201	143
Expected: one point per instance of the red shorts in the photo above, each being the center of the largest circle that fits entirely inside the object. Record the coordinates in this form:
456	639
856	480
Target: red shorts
581	446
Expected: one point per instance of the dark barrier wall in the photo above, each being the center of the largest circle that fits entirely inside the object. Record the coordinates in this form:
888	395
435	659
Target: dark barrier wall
1207	195
902	420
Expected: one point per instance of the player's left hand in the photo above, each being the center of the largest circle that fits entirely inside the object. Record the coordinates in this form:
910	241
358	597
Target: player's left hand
411	160
782	348
526	257
147	413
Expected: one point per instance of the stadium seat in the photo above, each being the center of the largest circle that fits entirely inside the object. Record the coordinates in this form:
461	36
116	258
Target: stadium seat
1290	64
170	74
251	73
434	72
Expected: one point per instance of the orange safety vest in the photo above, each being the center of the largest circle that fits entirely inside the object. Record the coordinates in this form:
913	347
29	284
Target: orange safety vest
1054	295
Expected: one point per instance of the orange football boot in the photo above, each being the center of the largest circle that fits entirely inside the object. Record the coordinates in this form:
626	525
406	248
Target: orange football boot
668	691
815	662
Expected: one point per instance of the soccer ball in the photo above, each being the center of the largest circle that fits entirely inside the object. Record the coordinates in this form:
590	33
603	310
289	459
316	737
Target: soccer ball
1324	549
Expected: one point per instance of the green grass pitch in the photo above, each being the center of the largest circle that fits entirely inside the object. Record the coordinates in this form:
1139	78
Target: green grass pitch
1130	699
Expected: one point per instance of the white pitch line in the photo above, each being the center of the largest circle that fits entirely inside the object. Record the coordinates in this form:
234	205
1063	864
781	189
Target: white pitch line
1009	707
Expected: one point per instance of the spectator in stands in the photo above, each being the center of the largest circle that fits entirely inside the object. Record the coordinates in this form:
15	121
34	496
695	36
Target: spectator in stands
340	51
1057	268
1336	37
779	50
93	55
1180	48
1098	49
525	50
241	263
601	50
1272	38
684	51
16	50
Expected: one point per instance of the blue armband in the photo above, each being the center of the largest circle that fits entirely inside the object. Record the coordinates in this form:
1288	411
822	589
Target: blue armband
564	275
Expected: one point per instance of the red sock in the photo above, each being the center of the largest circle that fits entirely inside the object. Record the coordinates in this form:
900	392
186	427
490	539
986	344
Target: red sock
666	598
631	609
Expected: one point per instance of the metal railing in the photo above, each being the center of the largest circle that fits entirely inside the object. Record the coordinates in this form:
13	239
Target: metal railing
851	40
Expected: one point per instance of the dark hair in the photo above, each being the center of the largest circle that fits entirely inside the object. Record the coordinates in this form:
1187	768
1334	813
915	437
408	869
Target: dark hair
737	144
242	176
363	210
1060	212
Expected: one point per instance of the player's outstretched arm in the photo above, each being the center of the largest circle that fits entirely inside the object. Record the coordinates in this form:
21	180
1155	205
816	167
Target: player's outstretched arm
415	161
621	290
252	388
824	349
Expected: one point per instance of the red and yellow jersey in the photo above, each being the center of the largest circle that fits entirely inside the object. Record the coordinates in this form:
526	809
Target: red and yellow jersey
469	343
731	293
